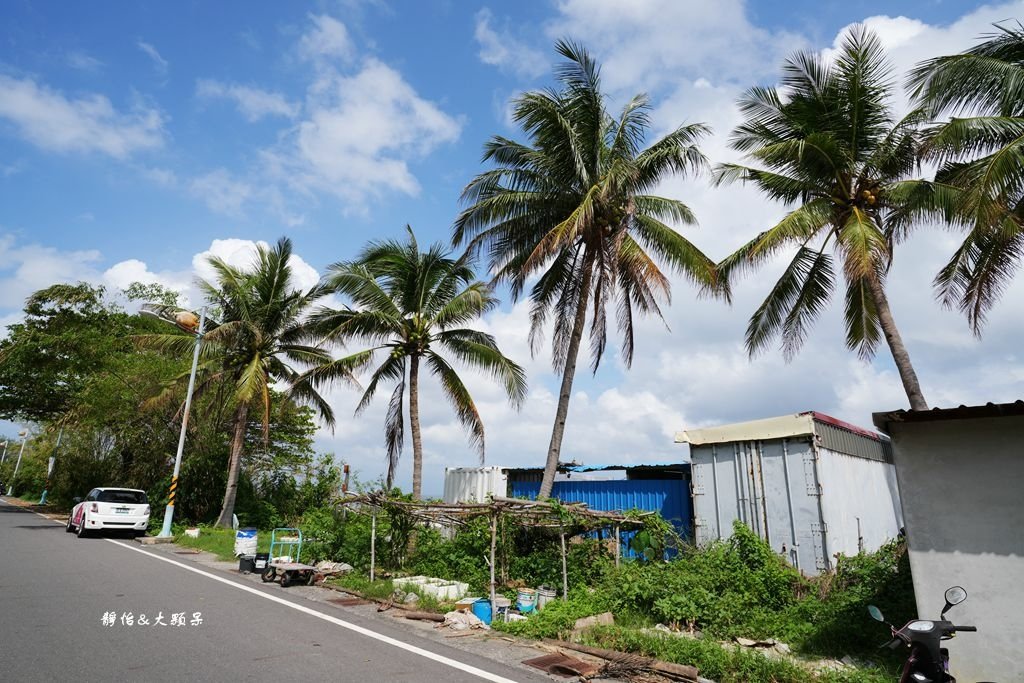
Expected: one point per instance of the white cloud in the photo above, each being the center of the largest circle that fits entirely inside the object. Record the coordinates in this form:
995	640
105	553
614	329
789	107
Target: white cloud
151	52
327	39
83	61
242	254
699	374
163	177
360	133
26	268
504	50
221	192
646	44
253	103
90	123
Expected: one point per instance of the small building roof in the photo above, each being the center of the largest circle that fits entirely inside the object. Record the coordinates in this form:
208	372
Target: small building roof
782	427
883	420
577	467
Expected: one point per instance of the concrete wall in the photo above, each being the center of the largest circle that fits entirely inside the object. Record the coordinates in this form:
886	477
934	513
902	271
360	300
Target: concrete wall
962	485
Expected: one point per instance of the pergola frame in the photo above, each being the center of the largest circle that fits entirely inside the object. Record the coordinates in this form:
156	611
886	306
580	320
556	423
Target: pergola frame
569	518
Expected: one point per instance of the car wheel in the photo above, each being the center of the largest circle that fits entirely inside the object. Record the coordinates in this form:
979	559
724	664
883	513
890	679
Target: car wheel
68	528
82	533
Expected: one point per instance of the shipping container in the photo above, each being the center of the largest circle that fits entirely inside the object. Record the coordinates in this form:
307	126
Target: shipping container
474	484
810	485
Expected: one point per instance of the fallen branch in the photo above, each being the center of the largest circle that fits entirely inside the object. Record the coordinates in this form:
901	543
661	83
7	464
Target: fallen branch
423	616
632	661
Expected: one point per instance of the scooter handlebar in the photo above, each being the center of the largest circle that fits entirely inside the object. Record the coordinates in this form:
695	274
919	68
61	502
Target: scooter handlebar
965	628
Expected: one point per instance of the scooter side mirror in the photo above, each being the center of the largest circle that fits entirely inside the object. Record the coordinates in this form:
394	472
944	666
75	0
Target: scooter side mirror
954	596
876	613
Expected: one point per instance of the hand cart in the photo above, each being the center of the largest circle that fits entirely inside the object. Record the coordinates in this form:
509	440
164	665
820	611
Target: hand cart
282	542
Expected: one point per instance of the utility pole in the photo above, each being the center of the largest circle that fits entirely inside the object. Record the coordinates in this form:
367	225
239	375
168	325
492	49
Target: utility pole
49	466
165	532
24	437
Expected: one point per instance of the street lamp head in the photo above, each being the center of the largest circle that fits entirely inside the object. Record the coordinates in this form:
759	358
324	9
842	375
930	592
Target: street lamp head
187	321
23	433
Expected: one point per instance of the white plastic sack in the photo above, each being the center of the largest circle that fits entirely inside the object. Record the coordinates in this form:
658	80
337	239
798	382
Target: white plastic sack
245	542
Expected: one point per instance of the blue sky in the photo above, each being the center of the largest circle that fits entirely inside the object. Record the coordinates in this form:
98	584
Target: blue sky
135	139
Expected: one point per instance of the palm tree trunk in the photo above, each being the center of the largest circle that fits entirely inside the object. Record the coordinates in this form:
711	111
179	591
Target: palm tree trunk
234	465
568	374
414	423
899	352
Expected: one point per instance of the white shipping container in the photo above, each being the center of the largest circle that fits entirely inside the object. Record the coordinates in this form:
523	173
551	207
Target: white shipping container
810	485
474	484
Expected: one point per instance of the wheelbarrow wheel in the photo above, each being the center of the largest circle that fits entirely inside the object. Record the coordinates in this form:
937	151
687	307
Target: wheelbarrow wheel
268	575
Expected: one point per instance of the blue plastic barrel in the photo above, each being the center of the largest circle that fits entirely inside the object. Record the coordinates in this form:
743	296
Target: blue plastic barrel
482	610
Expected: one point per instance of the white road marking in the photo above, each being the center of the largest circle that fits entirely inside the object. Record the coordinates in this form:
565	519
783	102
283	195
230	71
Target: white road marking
455	664
447	661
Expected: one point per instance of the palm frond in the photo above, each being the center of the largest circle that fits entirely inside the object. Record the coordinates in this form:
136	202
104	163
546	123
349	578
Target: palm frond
460	399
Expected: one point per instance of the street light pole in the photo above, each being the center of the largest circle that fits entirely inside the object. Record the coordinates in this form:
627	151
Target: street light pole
4	457
165	532
24	437
49	466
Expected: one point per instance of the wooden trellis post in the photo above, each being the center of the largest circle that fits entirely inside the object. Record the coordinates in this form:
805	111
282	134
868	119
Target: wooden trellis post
565	571
373	545
494	539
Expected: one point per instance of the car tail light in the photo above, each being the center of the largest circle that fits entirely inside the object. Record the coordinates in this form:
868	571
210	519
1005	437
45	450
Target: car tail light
94	508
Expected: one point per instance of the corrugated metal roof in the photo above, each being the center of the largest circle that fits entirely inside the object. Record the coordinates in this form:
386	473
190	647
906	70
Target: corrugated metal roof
575	467
800	424
962	412
832	433
856	442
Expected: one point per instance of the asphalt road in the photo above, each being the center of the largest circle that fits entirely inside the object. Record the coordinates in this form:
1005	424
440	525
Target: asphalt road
55	590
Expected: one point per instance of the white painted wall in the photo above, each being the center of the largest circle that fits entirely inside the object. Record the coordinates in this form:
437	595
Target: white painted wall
962	484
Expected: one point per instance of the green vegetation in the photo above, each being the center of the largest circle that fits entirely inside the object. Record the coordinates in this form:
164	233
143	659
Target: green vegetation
568	214
724	663
572	209
980	153
411	305
256	335
828	142
217	540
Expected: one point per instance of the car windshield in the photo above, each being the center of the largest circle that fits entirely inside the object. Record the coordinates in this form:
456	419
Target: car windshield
130	497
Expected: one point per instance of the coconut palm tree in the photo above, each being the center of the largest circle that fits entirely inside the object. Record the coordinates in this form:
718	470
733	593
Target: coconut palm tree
411	306
982	153
257	337
827	142
571	208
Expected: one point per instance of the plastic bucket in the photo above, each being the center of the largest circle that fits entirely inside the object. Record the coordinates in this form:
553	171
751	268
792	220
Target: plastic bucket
247	564
526	599
482	610
544	596
261	560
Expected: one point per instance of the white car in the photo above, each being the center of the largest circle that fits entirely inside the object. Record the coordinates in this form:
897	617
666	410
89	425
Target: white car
110	508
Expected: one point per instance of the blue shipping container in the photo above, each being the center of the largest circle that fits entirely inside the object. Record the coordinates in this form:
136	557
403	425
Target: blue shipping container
669	497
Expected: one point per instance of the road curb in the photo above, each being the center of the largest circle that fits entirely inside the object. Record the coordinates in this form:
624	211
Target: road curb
154	540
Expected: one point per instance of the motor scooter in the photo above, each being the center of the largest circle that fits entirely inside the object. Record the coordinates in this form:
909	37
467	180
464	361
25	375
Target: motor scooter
928	662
